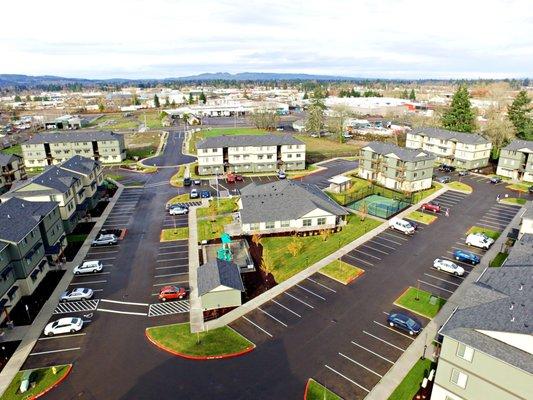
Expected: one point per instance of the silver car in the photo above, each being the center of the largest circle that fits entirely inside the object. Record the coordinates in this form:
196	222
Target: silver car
105	240
77	294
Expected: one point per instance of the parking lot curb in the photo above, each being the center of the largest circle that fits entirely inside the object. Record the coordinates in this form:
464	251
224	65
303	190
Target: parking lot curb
306	388
198	358
45	391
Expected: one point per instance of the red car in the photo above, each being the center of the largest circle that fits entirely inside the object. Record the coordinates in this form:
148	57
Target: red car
172	293
231	178
431	206
239	178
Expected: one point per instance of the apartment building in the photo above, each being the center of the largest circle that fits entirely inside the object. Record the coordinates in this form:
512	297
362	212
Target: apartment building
487	348
91	174
53	148
31	237
396	168
516	161
250	153
11	170
459	149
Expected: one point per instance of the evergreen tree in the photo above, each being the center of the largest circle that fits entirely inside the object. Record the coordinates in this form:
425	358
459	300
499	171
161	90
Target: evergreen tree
173	104
412	95
305	96
17	98
203	99
353	93
28	98
460	117
156	101
405	95
167	102
191	99
520	114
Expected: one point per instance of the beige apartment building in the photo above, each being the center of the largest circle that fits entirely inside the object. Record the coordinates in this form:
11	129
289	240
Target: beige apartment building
11	170
53	148
516	161
459	149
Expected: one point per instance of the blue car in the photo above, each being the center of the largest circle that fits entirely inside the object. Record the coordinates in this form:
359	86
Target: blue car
404	322
466	256
205	194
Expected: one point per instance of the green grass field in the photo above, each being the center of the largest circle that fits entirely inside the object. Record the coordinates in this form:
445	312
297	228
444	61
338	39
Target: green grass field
421	217
44	378
223	206
319	149
315	391
168	235
208	230
489	232
460	186
180	198
17	149
498	260
422	306
519	187
412	381
341	271
514	200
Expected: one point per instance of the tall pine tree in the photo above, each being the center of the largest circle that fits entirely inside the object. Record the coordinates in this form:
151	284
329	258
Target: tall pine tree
412	95
520	114
156	101
460	117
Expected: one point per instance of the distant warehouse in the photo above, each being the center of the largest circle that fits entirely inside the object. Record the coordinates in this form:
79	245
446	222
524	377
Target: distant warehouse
53	148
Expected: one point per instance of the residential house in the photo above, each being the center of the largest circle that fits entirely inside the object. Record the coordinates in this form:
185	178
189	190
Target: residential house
219	284
396	168
53	148
11	170
516	161
459	149
250	153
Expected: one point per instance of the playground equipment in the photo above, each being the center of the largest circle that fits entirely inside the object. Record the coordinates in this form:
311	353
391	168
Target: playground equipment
224	253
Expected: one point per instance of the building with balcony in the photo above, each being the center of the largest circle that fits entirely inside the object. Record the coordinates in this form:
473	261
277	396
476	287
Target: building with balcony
250	153
459	149
91	174
53	148
516	161
396	168
11	170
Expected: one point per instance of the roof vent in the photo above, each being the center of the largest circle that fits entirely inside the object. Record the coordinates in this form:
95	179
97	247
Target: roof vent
521	286
9	216
512	319
511	306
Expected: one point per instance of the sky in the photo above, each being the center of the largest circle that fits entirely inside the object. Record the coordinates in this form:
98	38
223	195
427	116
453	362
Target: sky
359	38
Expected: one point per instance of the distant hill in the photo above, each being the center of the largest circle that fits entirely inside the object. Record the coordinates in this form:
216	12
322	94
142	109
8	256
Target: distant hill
262	76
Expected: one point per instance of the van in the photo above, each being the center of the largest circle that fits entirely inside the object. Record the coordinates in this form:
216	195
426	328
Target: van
401	225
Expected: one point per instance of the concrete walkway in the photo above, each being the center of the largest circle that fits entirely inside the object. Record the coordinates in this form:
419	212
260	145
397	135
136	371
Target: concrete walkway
36	328
408	359
302	275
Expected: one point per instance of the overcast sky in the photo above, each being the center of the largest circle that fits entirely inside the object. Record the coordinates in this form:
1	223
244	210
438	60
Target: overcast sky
169	38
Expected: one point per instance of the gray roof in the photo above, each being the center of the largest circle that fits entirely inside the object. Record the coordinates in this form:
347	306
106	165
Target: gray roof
55	179
284	200
81	165
519	145
247	140
402	153
219	272
521	253
19	217
8	158
468	138
83	136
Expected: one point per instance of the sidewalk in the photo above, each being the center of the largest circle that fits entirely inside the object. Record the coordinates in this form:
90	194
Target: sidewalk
34	331
407	360
300	276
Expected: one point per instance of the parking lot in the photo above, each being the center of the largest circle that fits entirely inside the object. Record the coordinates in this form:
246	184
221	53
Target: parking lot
120	216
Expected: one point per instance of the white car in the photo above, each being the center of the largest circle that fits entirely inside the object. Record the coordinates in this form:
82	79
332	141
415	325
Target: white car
448	266
479	240
88	267
63	325
77	294
178	211
401	225
105	240
281	175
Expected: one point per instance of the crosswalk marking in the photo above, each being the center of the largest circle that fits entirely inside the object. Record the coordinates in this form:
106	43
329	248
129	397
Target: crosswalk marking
76	306
172	307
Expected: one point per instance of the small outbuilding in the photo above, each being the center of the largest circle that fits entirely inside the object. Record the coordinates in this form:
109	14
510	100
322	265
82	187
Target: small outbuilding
219	285
339	184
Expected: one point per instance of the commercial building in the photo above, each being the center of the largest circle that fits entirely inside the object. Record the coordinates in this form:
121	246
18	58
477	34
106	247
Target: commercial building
516	161
250	153
11	170
459	149
53	148
219	285
395	167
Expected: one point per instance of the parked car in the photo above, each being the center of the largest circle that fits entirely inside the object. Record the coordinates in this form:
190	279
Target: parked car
239	178
446	168
431	206
63	325
187	181
479	240
178	211
448	266
444	179
281	175
347	136
172	293
530	189
105	240
205	194
230	178
194	194
197	182
495	180
77	294
88	267
464	173
401	225
404	322
466	256
279	128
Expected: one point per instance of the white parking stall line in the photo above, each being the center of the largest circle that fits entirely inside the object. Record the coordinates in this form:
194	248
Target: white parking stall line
171	252
173	266
63	336
348	379
170	283
286	308
395	236
103	258
373	241
167	275
385	312
469	249
487	225
501	211
257	326
393	330
94	251
173	259
358	259
297	299
450	196
373	352
383	340
461	263
442	279
54	351
87	283
171	246
320	284
361	365
131	303
373	248
271	316
93	274
98	290
76	306
435	286
121	312
498	218
311	292
366	254
388	240
445	203
506	207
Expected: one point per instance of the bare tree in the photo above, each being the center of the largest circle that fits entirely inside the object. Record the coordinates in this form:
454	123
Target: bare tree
295	246
256	239
265	119
325	233
340	113
498	129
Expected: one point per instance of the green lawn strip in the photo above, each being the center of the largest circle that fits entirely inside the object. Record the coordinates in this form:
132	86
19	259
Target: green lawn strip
514	200
208	229
76	238
419	196
463	187
216	342
315	391
16	149
498	260
180	198
115	177
421	217
489	232
140	153
171	234
222	206
177	178
44	378
341	272
410	385
520	187
314	247
422	306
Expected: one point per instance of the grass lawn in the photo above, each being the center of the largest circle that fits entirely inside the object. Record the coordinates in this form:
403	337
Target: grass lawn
520	187
498	260
177	178
178	337
115	121
219	132
142	139
315	391
341	272
76	238
357	185
168	235
17	149
115	177
208	230
460	186
314	248
419	196
223	206
514	200
412	381
422	305
319	149
44	378
421	217
180	198
140	152
489	232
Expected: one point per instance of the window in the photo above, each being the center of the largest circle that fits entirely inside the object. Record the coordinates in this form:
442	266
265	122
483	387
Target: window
289	155
254	226
298	155
269	156
458	378
270	225
465	352
307	222
285	224
321	221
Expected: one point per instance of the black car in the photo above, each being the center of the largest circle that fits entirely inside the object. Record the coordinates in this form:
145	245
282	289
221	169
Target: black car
531	189
446	168
463	173
495	180
187	182
404	322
